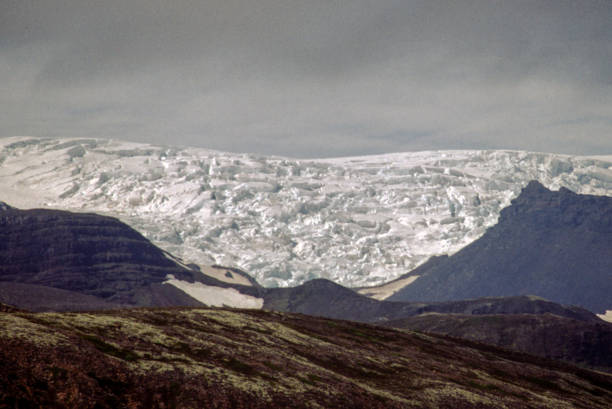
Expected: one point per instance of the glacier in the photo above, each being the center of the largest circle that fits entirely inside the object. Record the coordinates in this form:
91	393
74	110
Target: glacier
359	221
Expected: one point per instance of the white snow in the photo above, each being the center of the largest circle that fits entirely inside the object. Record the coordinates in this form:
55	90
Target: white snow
607	316
215	296
358	221
385	291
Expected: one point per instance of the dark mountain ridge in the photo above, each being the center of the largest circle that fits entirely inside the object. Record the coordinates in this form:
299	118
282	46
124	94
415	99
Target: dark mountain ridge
86	255
324	298
321	297
556	245
521	304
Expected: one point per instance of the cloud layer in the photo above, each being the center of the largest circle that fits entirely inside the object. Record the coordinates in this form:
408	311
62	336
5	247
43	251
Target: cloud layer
315	78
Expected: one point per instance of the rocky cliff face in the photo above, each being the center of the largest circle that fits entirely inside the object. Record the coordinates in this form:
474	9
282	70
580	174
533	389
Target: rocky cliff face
86	254
557	245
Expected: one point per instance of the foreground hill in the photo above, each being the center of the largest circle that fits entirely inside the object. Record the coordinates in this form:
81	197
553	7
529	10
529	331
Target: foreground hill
57	260
556	245
217	358
357	221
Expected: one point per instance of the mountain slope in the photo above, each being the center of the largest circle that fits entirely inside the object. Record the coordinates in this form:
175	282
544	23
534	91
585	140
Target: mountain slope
324	298
557	245
357	221
52	259
587	343
154	358
33	297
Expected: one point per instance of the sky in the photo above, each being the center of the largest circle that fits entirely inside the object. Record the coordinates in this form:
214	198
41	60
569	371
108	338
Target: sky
316	78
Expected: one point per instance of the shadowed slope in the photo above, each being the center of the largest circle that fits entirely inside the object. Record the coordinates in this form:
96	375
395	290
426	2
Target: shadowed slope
325	298
98	261
34	297
557	245
587	343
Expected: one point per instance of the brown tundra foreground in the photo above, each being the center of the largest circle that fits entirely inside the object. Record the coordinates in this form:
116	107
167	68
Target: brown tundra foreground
225	358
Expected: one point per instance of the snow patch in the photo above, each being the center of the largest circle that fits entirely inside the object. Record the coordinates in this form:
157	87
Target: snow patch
387	290
216	296
607	316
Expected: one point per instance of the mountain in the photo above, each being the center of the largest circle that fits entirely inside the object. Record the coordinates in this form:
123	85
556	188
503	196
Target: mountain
324	298
57	260
179	357
587	343
358	221
553	244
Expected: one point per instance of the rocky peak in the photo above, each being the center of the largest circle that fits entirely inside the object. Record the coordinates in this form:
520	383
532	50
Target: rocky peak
533	194
553	244
540	206
534	188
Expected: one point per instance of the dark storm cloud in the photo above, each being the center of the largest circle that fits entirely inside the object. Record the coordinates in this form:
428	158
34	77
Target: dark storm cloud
311	78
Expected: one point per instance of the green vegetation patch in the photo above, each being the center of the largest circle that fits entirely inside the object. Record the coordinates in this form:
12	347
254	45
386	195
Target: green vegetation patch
15	326
109	349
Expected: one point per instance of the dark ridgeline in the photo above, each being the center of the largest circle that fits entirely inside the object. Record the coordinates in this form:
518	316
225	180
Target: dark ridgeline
325	298
522	323
58	260
556	245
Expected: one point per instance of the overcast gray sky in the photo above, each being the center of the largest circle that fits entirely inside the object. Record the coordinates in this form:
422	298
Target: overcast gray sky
311	78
